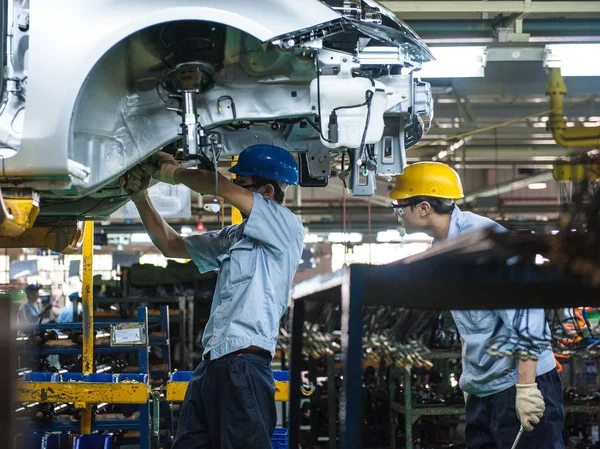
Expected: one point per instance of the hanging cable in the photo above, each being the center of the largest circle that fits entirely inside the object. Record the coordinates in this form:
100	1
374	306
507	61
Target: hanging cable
345	240
369	224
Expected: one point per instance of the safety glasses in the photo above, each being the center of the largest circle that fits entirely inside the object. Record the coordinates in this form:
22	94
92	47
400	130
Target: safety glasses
237	182
399	206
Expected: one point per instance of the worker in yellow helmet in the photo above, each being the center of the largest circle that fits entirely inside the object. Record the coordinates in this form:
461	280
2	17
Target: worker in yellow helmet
423	200
501	394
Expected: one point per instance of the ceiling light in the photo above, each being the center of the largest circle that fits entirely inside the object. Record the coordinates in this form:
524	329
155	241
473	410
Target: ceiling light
537	186
574	59
140	238
312	238
185	230
391	235
455	62
348	237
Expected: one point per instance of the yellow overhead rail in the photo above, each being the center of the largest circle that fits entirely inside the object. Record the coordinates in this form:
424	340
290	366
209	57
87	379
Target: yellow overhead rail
573	137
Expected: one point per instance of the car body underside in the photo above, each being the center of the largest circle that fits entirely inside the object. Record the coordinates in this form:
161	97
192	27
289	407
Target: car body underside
94	87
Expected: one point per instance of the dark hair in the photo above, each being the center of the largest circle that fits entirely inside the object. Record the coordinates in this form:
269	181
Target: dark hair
262	181
439	205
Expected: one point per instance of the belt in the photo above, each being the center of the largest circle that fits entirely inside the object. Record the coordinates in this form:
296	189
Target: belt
250	350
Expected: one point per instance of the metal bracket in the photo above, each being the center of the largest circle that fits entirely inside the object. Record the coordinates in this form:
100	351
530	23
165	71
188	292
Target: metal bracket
18	212
319	162
361	183
391	156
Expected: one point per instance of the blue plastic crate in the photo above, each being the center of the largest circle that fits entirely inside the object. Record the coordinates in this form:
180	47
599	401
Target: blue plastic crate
281	376
38	377
280	437
28	440
93	442
141	378
181	376
68	377
101	378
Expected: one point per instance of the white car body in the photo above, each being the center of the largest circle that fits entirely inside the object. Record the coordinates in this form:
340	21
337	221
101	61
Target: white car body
83	100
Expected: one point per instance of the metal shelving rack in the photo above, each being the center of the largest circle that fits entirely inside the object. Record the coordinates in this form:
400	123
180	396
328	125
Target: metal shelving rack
462	268
90	388
38	387
184	318
413	412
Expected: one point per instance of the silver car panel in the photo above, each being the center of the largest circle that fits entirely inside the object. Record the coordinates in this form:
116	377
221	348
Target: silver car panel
73	36
87	107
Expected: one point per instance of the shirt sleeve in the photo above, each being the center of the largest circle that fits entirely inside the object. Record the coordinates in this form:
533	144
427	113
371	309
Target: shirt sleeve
273	224
205	248
528	327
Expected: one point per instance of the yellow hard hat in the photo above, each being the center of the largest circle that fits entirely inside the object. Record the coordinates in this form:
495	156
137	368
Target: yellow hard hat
432	179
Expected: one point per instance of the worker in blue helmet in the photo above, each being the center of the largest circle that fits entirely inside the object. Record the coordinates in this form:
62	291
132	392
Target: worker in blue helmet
67	314
230	397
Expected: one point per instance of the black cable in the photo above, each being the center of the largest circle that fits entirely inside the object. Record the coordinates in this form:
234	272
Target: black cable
319	103
159	94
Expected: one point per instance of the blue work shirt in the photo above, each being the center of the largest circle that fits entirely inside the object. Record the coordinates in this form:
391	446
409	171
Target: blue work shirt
257	260
66	313
483	373
28	313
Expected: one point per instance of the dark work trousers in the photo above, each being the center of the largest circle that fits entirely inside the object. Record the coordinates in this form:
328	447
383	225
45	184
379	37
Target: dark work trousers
229	404
492	421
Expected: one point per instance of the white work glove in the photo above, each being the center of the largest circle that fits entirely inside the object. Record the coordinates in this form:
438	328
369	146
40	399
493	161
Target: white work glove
137	183
163	167
529	405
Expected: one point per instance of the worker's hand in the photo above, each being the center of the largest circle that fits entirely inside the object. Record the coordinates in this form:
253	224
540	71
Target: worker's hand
137	182
157	159
162	167
529	405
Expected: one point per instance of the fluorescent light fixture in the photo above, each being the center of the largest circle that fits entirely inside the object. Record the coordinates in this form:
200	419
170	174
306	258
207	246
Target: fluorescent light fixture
391	235
455	62
554	232
574	59
312	238
185	230
537	186
417	237
140	238
340	237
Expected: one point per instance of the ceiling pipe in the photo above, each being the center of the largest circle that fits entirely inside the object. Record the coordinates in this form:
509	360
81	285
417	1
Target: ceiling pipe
488	26
566	137
508	187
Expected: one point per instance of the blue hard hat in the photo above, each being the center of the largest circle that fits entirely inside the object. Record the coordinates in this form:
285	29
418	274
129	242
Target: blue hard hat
269	162
31	288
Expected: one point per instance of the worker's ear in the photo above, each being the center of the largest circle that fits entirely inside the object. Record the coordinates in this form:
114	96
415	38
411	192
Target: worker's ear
268	192
424	208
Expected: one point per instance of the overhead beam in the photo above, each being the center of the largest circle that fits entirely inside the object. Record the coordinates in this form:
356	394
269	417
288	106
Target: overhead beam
507	7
